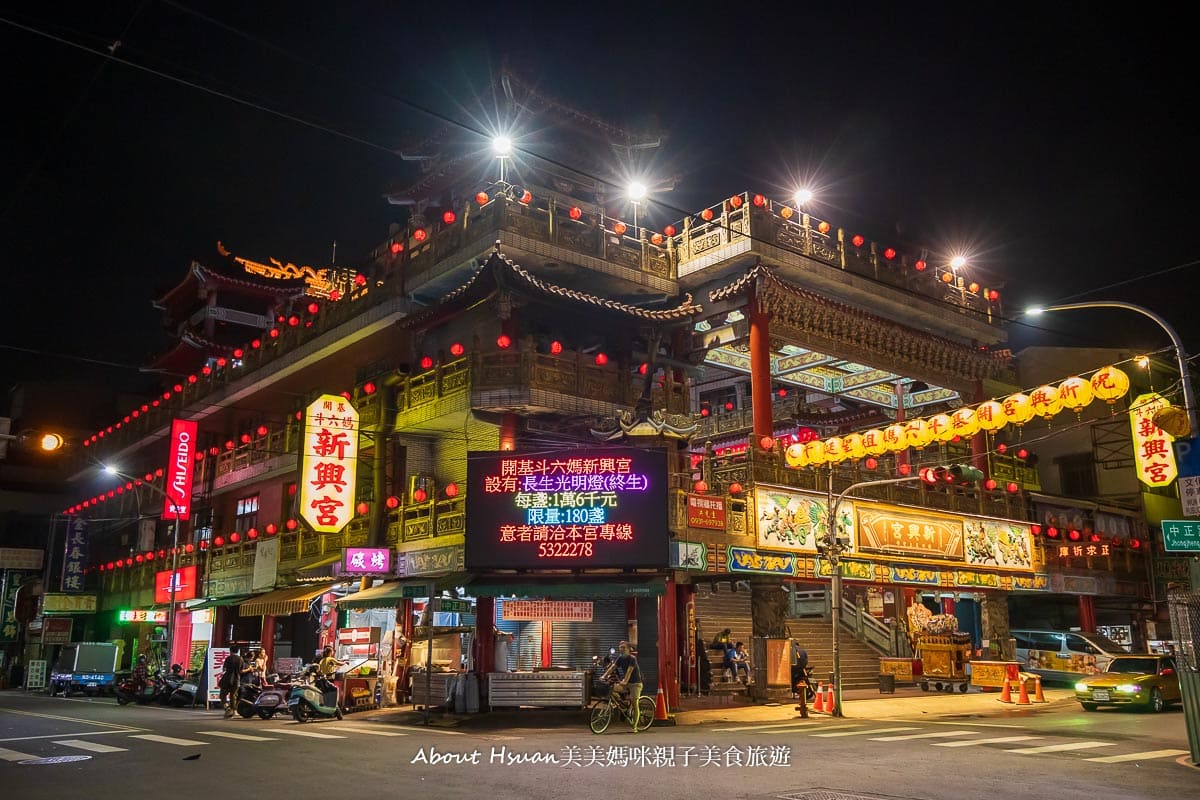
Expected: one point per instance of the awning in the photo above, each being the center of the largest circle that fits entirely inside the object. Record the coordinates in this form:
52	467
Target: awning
385	595
281	602
494	588
218	602
321	568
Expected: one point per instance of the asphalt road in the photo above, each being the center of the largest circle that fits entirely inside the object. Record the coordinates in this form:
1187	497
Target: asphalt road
1062	753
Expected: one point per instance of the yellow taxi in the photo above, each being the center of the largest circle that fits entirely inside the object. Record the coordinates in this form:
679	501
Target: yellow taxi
1146	681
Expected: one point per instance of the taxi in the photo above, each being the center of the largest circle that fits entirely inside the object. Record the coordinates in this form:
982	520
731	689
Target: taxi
1146	681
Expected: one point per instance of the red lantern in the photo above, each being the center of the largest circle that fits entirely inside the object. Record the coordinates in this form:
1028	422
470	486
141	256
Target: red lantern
482	198
700	487
219	541
656	239
369	388
420	235
601	359
273	333
782	392
857	240
1074	535
993	295
669	230
766	443
642	369
889	253
393	502
363	509
824	227
451	490
1022	454
706	215
426	362
1035	529
158	473
262	430
448	217
420	495
334	294
919	265
704	410
1002	448
904	469
758	200
503	341
255	344
235	537
252	533
990	484
1095	537
149	555
237	353
457	349
619	228
526	197
556	348
272	529
735	489
575	213
1135	544
246	438
1012	487
291	525
396	247
139	558
293	321
736	201
973	287
729	405
229	444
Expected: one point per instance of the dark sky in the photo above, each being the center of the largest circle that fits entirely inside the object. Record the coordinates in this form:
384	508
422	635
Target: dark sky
1054	146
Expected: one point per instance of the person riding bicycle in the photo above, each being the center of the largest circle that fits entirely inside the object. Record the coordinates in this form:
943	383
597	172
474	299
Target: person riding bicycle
628	677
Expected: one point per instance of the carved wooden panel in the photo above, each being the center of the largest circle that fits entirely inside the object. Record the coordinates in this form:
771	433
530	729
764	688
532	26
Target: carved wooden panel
415	529
553	378
528	226
626	256
455	381
581	239
450	524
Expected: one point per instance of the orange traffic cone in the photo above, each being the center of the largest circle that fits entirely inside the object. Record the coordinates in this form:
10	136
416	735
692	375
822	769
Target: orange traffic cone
1006	693
1038	697
819	699
1023	697
829	698
660	706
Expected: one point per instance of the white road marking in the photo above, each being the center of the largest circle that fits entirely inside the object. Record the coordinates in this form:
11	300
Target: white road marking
933	735
311	734
93	747
72	733
863	733
428	730
152	737
70	719
357	729
1058	748
995	740
1146	756
245	737
13	755
765	726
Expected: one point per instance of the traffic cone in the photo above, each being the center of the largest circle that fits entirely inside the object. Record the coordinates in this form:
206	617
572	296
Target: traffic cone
1023	697
819	699
1006	693
1038	697
829	698
660	706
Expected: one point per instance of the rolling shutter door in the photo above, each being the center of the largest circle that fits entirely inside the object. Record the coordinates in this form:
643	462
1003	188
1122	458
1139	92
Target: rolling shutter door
574	643
526	653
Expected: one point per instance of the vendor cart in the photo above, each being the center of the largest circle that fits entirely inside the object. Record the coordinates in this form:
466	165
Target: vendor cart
944	658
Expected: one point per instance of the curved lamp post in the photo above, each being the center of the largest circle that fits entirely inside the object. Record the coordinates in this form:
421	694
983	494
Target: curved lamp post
1189	401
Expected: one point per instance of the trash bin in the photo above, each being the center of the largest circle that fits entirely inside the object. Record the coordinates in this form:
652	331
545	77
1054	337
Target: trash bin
887	684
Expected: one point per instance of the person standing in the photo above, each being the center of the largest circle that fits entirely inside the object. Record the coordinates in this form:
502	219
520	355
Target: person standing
231	681
800	676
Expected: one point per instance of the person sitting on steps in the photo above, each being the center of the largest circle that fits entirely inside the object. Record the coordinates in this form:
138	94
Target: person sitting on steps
739	661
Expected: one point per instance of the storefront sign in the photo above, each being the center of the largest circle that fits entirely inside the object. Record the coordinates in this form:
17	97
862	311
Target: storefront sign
744	559
570	510
1031	583
435	560
75	555
216	665
689	555
924	576
330	463
8	606
180	584
788	520
1153	454
982	580
56	630
706	511
552	610
854	570
142	615
202	616
894	531
54	603
364	635
1089	550
177	493
266	565
20	558
1181	535
366	561
35	675
998	543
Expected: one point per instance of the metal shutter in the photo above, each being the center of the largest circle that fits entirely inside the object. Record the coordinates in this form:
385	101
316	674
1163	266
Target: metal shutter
574	643
526	651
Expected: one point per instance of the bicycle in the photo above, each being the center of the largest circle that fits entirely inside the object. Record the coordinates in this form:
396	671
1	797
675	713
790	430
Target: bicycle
616	703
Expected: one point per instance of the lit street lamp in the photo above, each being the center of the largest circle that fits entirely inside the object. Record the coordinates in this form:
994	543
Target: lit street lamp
502	148
1189	401
637	193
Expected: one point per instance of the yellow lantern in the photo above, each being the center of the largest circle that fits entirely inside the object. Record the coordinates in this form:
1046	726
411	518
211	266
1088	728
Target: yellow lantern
1017	409
852	443
814	451
917	433
794	456
894	438
1044	401
834	452
1110	383
964	423
990	414
1075	393
941	427
873	442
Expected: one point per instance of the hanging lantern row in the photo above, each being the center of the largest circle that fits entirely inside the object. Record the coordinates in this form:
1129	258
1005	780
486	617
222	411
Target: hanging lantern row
1075	393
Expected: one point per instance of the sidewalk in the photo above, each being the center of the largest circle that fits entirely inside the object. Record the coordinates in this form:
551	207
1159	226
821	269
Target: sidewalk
906	703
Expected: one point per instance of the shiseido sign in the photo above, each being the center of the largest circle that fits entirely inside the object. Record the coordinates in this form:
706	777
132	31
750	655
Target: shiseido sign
177	500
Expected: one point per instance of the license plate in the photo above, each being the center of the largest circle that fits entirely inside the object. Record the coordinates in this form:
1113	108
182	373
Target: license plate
1100	694
92	685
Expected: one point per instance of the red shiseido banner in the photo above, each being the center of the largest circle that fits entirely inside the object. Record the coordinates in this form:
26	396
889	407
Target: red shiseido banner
177	499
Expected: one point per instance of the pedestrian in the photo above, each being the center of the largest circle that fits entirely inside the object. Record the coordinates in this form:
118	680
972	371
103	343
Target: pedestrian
800	676
231	681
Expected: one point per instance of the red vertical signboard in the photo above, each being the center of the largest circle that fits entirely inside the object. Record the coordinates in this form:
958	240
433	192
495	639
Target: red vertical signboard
177	501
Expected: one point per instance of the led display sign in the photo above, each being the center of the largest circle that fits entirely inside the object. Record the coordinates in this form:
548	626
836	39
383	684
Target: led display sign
567	510
142	615
179	585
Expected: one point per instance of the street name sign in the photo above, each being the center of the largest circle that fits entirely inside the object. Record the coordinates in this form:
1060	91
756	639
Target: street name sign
1181	536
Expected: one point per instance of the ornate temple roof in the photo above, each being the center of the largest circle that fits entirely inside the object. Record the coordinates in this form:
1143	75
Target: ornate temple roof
225	274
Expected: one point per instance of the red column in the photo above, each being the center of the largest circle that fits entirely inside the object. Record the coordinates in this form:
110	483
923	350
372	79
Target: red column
485	632
268	639
685	623
668	645
1087	613
902	457
547	643
760	369
181	634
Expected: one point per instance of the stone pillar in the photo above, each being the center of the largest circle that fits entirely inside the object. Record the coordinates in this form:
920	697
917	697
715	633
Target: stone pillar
993	611
760	368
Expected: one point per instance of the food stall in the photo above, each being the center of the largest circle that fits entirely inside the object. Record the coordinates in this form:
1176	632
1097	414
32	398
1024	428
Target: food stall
435	657
944	653
359	648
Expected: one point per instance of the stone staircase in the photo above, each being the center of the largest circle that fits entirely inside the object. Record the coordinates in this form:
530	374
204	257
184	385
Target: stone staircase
716	611
860	661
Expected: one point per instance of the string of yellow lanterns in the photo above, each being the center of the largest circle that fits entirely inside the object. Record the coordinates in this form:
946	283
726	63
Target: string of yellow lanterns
1073	394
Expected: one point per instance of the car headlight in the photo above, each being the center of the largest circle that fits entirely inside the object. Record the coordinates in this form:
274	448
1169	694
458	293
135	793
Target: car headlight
1081	687
1129	688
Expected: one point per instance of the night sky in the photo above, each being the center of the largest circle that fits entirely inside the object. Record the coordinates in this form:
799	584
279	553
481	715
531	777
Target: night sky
1053	147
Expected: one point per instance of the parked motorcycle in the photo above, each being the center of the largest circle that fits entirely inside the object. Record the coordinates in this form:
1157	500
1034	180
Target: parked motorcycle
128	692
184	692
314	698
248	693
274	697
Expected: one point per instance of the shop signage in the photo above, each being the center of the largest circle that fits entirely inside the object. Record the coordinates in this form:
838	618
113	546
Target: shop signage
1088	550
447	605
433	561
854	570
35	676
570	510
20	558
330	463
745	559
266	565
1153	454
53	603
1187	456
216	665
894	531
75	555
142	615
8	606
689	555
416	590
202	616
179	584
787	520
358	636
552	610
982	580
177	494
924	576
56	630
197	654
706	511
1181	535
367	561
1031	583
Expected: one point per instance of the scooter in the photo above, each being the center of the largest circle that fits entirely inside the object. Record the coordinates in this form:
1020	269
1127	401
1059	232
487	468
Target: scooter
127	692
248	693
185	691
314	698
274	697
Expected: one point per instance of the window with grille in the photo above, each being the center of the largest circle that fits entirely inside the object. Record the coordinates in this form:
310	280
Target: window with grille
1077	475
246	514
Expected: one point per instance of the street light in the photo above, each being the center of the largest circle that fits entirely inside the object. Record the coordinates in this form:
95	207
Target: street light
637	193
502	147
1189	401
832	548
